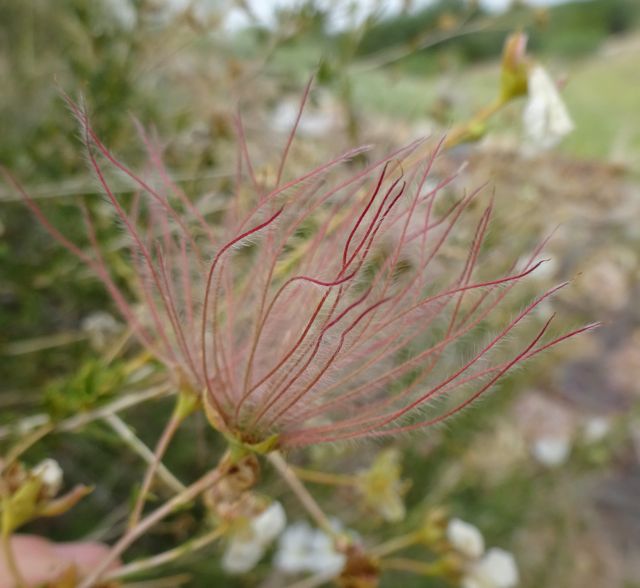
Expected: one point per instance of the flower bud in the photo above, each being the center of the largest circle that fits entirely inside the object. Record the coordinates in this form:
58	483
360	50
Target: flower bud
465	538
50	473
515	67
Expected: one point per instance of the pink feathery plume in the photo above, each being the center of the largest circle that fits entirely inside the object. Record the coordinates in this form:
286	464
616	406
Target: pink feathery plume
324	309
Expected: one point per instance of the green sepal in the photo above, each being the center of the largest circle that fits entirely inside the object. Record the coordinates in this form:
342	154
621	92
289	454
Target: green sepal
188	402
21	506
239	449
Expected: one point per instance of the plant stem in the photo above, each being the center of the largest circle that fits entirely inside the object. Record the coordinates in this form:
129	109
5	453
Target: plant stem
396	544
205	482
127	435
167	556
168	582
324	478
466	130
80	420
313	581
177	417
23	445
410	565
303	495
12	564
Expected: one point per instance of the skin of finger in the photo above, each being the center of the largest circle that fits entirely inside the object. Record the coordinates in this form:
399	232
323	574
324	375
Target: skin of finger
40	560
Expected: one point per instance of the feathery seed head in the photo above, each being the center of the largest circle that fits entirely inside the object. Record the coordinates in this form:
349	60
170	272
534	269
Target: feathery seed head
322	309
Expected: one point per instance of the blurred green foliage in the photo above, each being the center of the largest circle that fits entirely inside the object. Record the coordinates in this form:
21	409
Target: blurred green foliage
569	29
93	382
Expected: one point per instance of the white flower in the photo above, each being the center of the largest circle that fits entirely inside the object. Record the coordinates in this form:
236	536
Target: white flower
50	472
303	549
551	451
313	123
241	556
248	545
497	569
596	429
100	328
465	538
269	523
545	117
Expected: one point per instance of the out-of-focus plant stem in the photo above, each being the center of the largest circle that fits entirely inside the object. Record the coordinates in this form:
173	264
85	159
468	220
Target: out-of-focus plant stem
396	544
313	581
185	403
127	435
80	420
324	478
474	128
5	531
415	567
12	564
471	130
299	489
143	565
23	445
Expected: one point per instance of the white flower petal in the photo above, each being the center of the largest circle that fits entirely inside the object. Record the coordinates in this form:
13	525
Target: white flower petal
304	549
293	555
269	523
242	556
551	451
470	582
497	569
51	474
545	117
596	429
465	538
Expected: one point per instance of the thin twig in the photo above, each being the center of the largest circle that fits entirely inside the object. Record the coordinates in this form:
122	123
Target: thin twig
23	445
86	186
128	436
299	489
12	564
40	343
78	421
396	544
168	582
324	478
313	581
167	556
161	447
409	565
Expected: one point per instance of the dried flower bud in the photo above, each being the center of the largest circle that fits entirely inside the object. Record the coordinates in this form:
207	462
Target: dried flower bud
360	570
229	498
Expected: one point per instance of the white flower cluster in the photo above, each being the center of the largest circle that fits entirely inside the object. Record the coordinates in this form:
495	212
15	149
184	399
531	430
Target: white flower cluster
247	546
494	569
304	549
